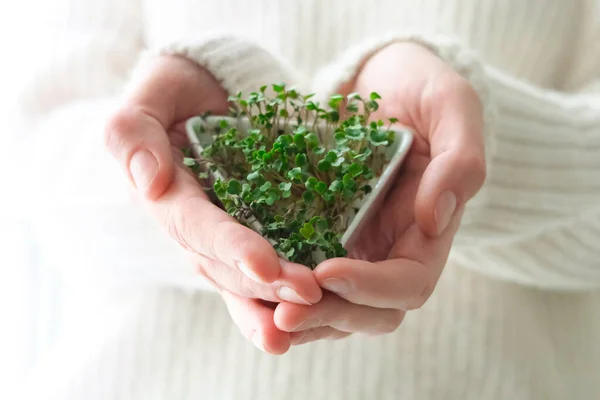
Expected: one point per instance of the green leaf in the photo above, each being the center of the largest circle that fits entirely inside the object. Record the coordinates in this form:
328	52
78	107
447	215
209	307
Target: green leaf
319	150
374	96
278	165
295	174
379	137
340	137
348	194
323	165
234	187
290	252
331	156
284	140
190	162
300	141
372	106
308	197
279	88
327	196
339	250
266	186
311	182
220	189
312	106
272	196
321	187
322	224
301	160
307	230
354	96
335	101
352	107
283	113
286	193
312	140
348	182
334	116
335	186
355	132
367	189
338	162
253	176
355	170
393	120
283	186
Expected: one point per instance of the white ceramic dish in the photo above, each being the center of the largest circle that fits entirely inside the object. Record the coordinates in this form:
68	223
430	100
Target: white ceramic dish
200	132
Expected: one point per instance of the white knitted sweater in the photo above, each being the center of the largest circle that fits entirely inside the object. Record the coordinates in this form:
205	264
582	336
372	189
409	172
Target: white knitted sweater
516	314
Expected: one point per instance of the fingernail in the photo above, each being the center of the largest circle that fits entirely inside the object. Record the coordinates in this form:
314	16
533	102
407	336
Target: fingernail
248	272
444	210
143	168
309	323
286	293
257	340
337	285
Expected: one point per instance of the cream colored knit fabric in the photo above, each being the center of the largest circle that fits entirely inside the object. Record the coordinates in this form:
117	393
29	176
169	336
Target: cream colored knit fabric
515	315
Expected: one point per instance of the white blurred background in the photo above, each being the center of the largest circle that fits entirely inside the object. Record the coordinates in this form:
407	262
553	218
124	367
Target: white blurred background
29	300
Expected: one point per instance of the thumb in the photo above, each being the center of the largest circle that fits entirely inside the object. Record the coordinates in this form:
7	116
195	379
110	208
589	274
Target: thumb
457	169
140	144
164	91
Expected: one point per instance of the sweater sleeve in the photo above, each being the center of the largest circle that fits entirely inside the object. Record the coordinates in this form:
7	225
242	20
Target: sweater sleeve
239	64
543	155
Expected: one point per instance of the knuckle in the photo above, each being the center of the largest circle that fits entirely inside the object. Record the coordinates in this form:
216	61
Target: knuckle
176	223
420	300
473	163
391	322
118	128
457	86
228	235
453	86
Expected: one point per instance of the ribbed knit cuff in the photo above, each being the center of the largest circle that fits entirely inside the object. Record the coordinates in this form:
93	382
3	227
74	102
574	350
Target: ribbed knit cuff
239	64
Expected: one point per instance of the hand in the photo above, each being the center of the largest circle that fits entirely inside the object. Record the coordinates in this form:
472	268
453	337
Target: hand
146	136
400	255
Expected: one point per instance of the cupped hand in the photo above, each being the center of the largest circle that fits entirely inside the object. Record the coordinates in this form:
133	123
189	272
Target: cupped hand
401	253
146	136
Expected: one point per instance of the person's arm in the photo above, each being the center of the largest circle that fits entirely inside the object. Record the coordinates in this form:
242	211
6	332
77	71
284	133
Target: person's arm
542	156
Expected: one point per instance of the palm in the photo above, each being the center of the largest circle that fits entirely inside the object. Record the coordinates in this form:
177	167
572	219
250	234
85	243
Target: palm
395	223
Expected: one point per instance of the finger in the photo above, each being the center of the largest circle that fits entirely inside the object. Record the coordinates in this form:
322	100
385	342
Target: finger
167	90
338	313
203	228
296	283
404	281
457	169
312	335
400	284
254	318
139	142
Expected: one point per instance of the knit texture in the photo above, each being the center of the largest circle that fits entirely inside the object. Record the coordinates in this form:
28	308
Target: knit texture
515	313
